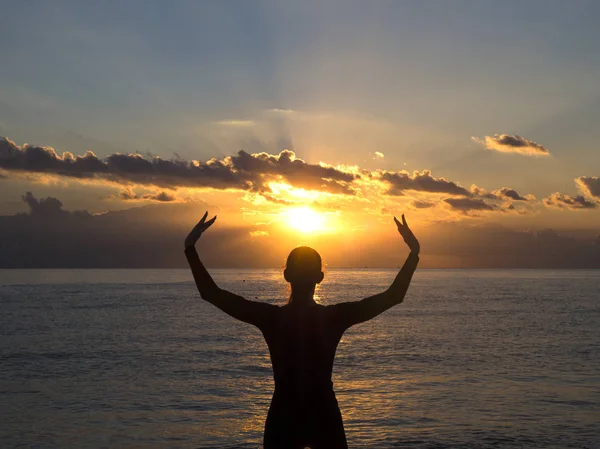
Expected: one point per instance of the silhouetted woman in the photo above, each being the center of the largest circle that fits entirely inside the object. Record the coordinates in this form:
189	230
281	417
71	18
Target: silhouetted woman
302	337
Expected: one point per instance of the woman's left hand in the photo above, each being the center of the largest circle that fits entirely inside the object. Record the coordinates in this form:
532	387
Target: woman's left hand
202	226
407	235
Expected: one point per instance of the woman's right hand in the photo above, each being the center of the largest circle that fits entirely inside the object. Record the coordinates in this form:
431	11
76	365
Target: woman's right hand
195	234
407	235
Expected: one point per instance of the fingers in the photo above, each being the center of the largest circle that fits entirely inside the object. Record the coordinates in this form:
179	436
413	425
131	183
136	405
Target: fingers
210	222
201	227
403	225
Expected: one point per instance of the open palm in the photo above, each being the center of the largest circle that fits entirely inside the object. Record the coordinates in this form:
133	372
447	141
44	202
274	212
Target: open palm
407	235
195	234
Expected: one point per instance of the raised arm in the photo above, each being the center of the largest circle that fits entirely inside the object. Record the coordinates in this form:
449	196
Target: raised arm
349	313
234	305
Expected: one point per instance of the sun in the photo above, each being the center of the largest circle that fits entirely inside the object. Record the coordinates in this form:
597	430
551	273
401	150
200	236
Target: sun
304	219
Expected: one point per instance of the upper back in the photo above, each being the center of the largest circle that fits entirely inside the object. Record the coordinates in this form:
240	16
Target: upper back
302	343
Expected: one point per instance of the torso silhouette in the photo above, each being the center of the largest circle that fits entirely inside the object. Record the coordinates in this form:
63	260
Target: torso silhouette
302	342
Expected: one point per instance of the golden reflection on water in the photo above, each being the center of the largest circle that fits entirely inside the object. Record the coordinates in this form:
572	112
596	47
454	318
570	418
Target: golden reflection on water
316	296
254	423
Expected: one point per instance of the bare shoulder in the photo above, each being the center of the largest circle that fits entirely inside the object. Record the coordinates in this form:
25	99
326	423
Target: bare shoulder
339	307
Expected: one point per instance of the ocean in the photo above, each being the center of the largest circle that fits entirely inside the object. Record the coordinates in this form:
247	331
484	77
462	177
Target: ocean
136	359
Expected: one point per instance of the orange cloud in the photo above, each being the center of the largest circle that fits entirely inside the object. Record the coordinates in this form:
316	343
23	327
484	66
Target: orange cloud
420	181
560	201
467	205
590	198
162	196
589	186
506	143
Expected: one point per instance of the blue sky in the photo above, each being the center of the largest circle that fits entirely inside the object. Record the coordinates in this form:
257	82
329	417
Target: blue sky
333	81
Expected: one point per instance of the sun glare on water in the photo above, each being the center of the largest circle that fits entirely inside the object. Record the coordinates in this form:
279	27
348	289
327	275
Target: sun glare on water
305	220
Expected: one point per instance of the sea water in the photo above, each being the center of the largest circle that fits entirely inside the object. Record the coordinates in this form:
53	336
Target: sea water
135	359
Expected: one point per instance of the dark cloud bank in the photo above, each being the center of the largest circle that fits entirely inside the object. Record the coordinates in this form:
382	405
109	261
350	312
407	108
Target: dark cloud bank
243	171
141	237
152	236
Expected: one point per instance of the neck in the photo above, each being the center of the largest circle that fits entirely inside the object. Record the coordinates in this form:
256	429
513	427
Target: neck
302	294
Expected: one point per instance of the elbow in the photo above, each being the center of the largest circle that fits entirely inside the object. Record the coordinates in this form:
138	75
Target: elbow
395	297
209	294
399	299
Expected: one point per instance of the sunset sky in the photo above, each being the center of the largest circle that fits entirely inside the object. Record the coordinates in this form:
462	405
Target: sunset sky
307	123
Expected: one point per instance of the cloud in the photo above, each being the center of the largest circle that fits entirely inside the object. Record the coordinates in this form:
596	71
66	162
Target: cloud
130	195
589	186
45	160
151	237
377	155
47	207
418	204
273	199
239	123
505	193
259	233
256	174
466	205
163	197
421	182
512	194
43	206
561	201
243	171
295	171
506	143
493	246
482	193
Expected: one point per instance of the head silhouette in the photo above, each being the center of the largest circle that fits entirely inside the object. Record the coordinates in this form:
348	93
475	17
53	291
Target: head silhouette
303	266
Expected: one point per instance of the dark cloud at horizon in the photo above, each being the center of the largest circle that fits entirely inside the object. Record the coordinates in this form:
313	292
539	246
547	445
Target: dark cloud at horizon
42	206
148	237
493	246
47	207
